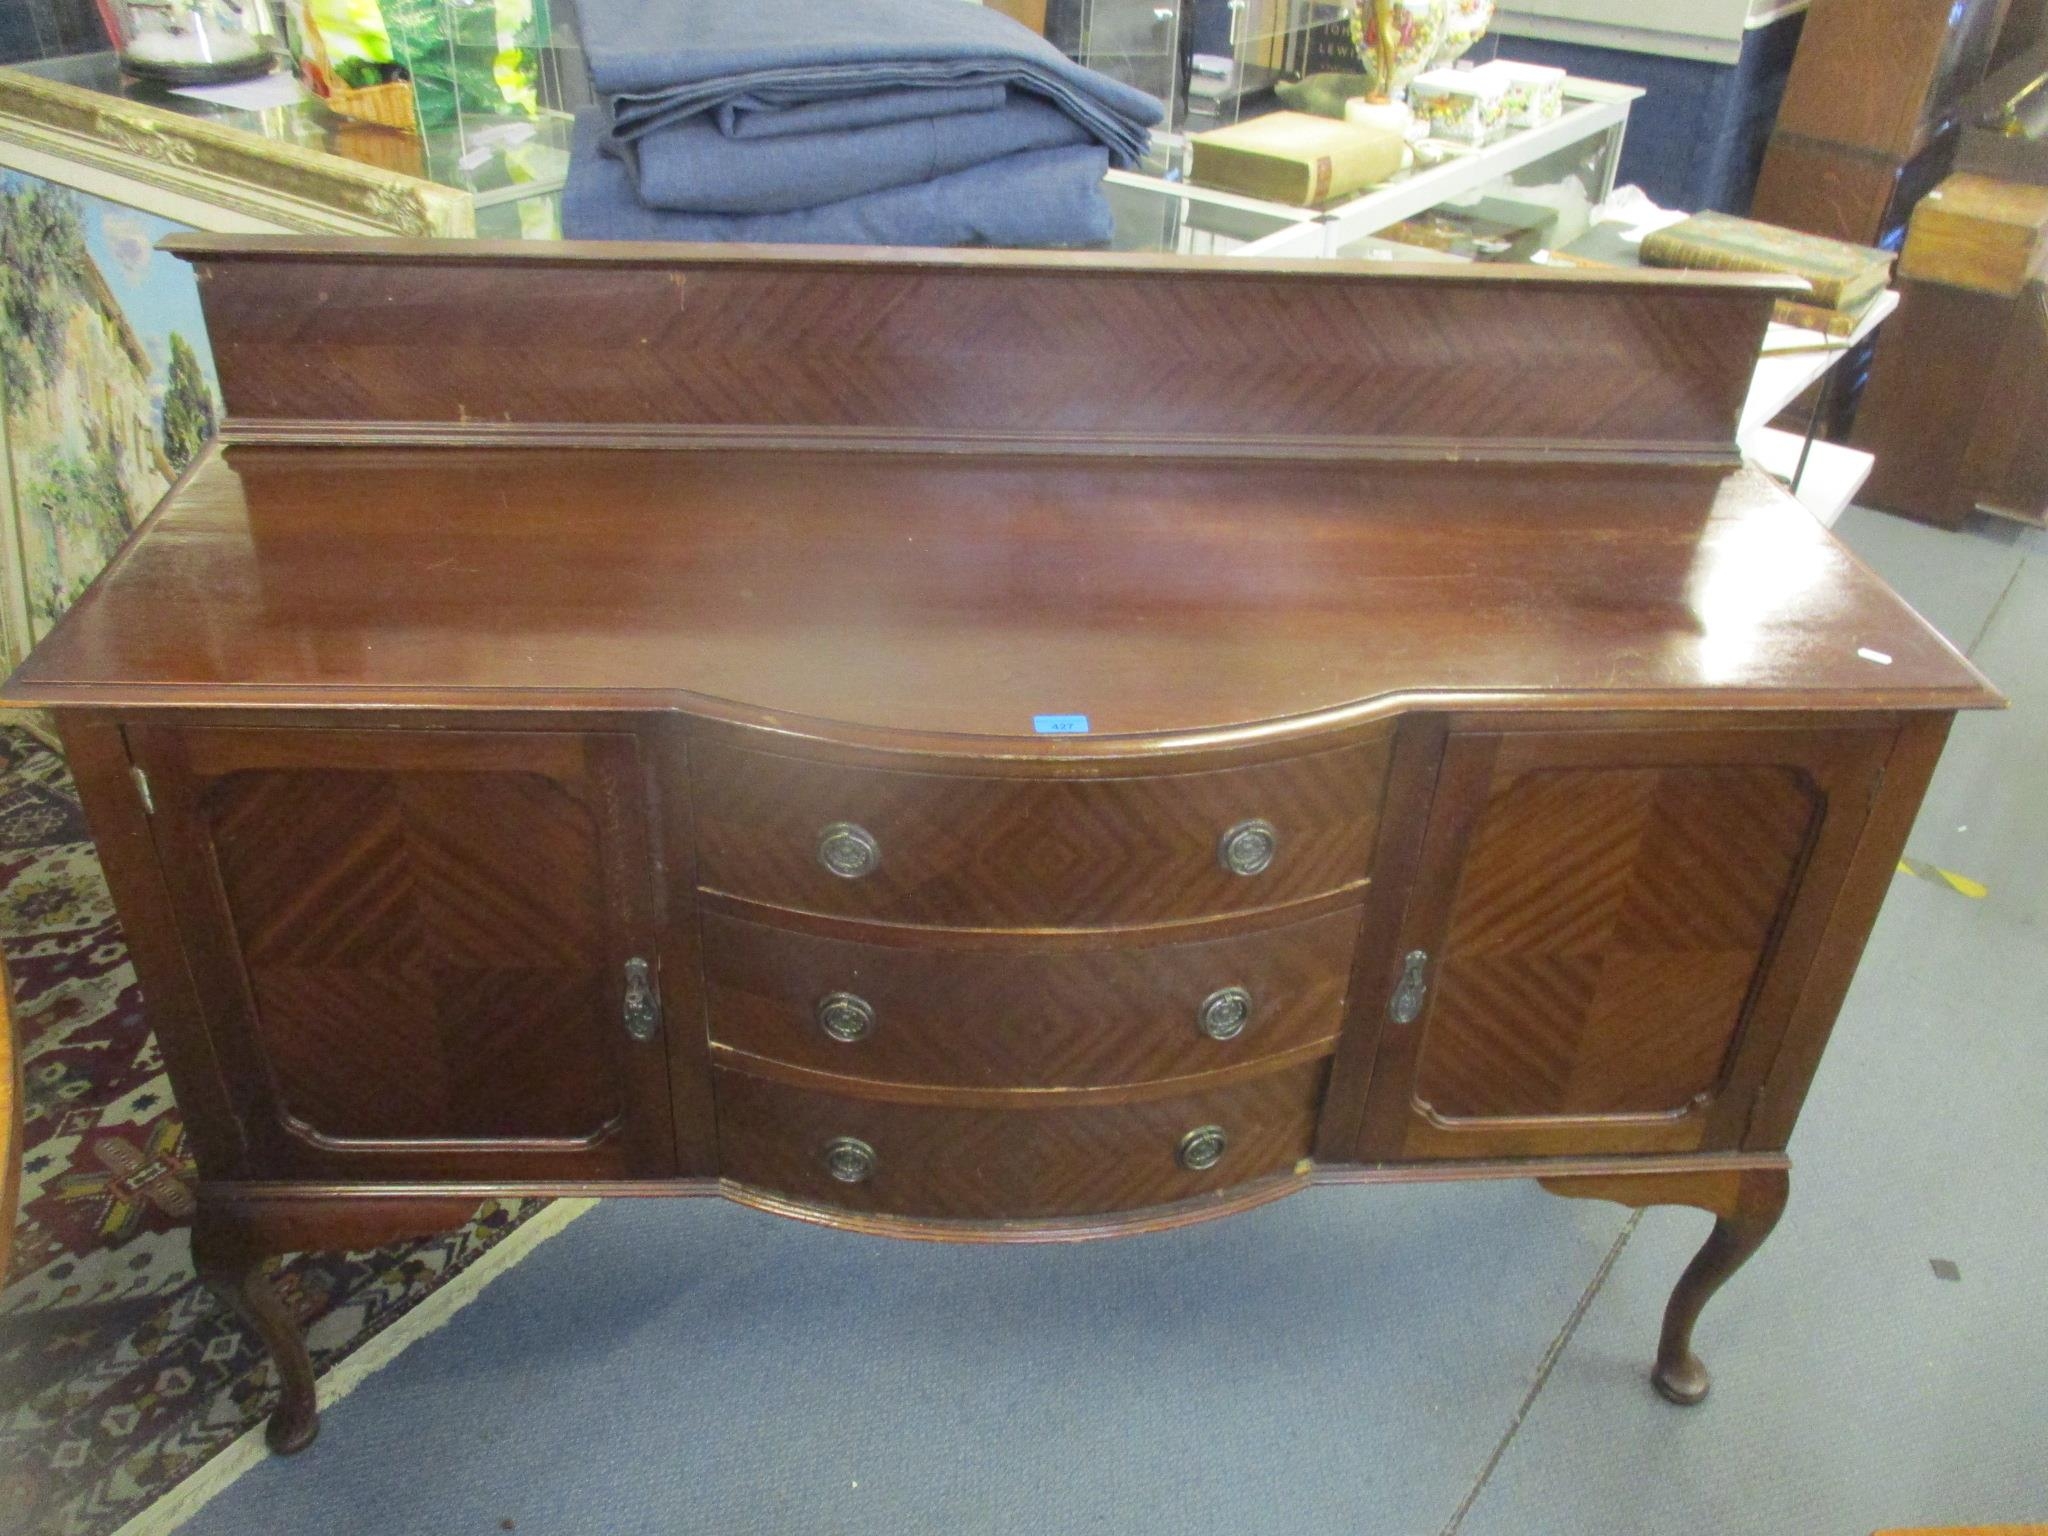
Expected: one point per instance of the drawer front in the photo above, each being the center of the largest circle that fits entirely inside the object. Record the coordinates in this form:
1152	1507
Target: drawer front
1003	852
1030	1017
1018	1164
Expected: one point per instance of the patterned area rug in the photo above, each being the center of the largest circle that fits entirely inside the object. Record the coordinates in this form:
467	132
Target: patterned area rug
120	1375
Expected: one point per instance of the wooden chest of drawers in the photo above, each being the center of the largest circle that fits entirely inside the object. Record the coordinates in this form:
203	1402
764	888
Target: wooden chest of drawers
965	1156
933	993
1037	788
1030	1010
1032	852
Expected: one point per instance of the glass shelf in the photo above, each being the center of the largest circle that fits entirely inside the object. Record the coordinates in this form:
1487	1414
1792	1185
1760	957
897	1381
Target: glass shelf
1558	168
507	173
496	164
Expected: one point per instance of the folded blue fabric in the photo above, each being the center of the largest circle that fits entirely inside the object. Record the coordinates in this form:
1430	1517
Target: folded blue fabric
694	168
1039	198
661	61
746	119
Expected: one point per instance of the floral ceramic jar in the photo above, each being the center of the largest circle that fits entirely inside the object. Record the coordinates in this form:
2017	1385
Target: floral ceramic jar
1465	22
1397	40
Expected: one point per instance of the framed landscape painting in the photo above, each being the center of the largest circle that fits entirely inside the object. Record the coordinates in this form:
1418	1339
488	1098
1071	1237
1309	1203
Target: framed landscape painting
107	385
109	388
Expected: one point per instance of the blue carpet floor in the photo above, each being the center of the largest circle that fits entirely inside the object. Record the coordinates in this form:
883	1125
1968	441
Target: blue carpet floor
1422	1360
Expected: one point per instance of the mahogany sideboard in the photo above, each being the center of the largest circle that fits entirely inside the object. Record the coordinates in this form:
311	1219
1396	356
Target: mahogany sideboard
981	745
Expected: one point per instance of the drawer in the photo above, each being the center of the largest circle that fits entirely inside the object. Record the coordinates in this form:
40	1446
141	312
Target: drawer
1022	852
1025	1017
1072	1159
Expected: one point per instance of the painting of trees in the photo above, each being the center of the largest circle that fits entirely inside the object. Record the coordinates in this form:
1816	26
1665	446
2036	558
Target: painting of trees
188	418
42	259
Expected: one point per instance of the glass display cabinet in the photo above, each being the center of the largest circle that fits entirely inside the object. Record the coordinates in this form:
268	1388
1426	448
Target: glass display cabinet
1242	50
293	164
1140	42
1530	188
95	168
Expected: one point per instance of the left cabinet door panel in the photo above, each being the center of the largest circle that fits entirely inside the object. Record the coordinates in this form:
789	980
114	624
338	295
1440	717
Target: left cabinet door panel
412	946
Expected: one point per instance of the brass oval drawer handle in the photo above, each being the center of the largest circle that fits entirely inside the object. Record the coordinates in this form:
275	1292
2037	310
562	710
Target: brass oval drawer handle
1248	847
1224	1013
848	851
1202	1148
849	1160
846	1018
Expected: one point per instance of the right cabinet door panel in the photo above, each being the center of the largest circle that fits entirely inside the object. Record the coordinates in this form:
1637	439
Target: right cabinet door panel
1610	928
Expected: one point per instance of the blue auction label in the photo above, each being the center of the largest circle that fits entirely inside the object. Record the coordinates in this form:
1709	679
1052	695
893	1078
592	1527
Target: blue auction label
1060	725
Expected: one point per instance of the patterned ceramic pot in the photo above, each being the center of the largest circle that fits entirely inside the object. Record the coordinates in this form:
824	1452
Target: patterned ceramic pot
1412	31
1465	22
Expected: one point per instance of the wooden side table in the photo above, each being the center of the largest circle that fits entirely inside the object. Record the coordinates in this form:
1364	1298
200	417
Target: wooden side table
1960	387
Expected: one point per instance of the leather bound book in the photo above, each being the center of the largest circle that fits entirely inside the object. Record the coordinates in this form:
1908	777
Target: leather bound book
1607	245
1294	158
1844	276
1818	317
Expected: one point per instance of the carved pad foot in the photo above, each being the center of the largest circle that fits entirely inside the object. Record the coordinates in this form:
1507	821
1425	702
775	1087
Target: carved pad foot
294	1423
1683	1381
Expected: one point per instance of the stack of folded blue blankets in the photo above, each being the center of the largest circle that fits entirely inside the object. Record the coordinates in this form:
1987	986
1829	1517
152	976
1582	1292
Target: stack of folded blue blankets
858	122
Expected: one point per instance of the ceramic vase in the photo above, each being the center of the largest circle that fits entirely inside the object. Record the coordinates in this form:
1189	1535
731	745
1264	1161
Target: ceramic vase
1465	22
1397	40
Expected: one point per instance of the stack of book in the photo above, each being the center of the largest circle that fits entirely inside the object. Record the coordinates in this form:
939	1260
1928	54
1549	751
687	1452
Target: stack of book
1846	279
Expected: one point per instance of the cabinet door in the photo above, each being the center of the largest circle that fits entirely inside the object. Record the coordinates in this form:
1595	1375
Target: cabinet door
1608	932
412	946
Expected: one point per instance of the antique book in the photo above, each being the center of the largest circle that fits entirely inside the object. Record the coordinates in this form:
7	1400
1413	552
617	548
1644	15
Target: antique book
1844	276
1818	317
1608	245
1294	158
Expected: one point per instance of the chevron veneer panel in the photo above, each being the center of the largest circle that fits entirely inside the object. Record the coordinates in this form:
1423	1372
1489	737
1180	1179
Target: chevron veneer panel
1608	930
1200	353
396	919
411	943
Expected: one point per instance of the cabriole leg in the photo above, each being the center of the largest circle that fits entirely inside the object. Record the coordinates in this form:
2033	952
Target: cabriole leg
234	1269
1746	1204
232	1236
1679	1375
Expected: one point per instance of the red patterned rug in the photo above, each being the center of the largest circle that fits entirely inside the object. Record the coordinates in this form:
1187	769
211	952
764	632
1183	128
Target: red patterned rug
120	1375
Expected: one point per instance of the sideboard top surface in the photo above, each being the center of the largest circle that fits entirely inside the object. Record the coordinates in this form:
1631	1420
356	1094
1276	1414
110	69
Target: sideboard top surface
963	595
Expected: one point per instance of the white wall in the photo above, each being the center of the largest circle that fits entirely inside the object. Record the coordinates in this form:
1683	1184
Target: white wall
1693	29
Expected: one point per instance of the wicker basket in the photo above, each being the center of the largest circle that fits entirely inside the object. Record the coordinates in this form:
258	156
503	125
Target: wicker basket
389	105
374	144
